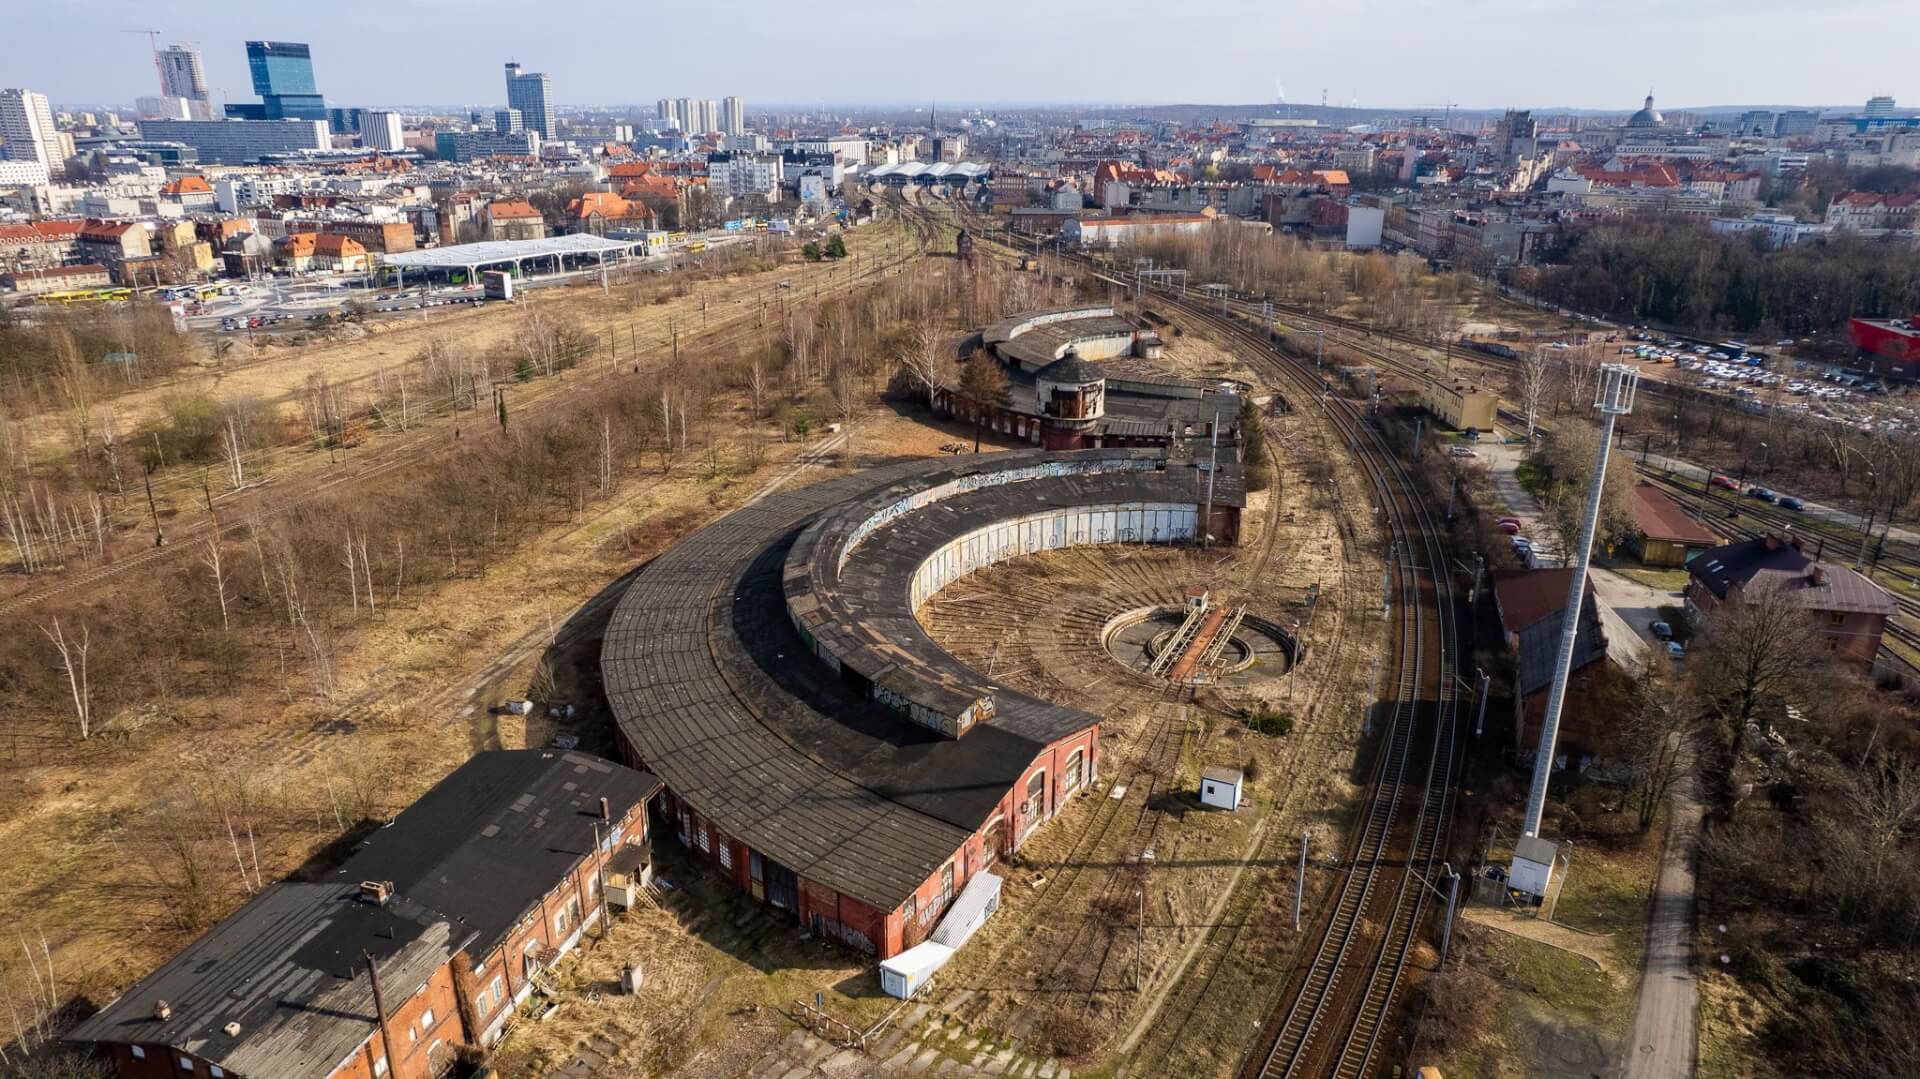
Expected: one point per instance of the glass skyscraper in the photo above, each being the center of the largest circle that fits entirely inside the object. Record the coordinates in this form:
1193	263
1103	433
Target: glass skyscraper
532	93
283	77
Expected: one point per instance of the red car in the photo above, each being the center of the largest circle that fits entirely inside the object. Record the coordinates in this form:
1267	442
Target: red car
1510	526
1723	482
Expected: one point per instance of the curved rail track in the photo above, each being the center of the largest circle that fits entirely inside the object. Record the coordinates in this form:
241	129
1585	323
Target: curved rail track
1334	1015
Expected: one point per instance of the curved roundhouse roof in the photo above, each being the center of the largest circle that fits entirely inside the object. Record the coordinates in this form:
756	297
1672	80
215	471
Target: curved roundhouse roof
717	692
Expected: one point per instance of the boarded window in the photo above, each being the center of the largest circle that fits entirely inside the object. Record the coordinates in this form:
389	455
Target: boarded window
1070	779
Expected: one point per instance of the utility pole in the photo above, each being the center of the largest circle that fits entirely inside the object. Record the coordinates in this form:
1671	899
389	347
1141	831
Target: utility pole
1140	938
1300	879
1480	721
1614	398
1453	897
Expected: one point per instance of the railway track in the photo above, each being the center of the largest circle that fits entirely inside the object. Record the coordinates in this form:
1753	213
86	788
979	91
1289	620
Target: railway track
268	500
1334	1015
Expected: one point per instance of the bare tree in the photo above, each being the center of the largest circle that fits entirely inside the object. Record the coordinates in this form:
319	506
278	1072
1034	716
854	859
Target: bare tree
1757	645
231	453
1531	376
1658	738
73	660
927	362
214	562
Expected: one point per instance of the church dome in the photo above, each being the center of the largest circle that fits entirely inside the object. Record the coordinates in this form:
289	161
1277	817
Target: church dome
1648	116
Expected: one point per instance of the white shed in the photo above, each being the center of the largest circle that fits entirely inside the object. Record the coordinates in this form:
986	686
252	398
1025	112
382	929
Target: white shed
1221	787
907	973
1533	861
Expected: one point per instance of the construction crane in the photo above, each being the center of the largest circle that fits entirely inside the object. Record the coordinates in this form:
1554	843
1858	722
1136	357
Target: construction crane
153	43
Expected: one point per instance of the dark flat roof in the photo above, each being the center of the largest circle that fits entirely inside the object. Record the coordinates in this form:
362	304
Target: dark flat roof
287	967
486	843
468	860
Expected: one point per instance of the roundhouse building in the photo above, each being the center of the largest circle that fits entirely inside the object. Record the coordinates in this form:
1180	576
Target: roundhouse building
1077	378
819	749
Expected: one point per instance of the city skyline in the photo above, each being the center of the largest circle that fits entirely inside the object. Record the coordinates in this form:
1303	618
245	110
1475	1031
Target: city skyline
1609	71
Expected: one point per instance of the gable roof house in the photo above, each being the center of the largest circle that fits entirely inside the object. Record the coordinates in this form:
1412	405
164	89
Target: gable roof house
420	944
1850	610
1532	604
1663	533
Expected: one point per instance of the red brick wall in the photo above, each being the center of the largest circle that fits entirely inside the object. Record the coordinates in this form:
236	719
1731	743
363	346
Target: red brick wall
413	1037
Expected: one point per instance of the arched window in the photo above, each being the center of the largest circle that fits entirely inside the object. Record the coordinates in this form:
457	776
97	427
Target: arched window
1034	808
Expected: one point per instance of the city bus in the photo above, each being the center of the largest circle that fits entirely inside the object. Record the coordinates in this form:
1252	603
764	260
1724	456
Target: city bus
85	295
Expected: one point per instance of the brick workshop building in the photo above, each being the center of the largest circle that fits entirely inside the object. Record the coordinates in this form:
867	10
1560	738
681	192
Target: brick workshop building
460	901
819	750
1085	378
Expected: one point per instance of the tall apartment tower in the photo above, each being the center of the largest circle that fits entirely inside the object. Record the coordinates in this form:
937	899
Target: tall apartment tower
734	119
532	93
669	112
689	110
381	131
26	122
1880	106
182	76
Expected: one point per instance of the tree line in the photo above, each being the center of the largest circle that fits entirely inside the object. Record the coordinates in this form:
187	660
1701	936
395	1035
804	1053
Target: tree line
1678	272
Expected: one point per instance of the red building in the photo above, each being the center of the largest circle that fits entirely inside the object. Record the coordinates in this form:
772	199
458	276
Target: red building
1887	346
423	943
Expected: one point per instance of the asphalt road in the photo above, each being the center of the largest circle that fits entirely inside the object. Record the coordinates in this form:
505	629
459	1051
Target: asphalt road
1666	1019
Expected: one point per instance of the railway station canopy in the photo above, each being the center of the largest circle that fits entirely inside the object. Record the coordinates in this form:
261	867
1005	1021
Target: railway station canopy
469	257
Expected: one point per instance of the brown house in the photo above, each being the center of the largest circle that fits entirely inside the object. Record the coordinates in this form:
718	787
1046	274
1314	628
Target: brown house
1850	610
420	946
117	245
514	219
1532	603
1663	533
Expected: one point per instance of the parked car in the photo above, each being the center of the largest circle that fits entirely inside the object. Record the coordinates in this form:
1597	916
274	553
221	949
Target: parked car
1661	631
1510	526
1763	494
1461	451
1724	482
1788	502
1676	650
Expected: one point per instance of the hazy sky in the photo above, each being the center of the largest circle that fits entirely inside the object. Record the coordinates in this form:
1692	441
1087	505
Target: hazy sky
1476	53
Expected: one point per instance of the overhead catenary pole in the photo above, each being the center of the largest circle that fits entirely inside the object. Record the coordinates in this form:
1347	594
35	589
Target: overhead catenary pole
1300	879
1206	525
1614	398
